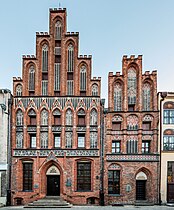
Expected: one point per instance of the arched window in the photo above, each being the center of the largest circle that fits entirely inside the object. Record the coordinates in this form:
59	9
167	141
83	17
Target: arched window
146	97
19	90
45	58
58	30
117	97
168	140
32	116
31	78
69	117
132	86
19	118
94	90
93	117
70	58
44	117
83	78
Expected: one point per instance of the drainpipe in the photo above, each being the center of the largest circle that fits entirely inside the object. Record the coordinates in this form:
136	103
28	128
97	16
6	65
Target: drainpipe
102	153
8	202
163	95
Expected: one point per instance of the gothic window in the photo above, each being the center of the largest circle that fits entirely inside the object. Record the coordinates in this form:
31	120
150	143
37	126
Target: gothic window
31	78
57	67
32	116
58	30
19	140
45	58
168	113
27	176
132	146
57	140
132	122
94	90
117	97
81	117
83	78
83	176
19	118
44	140
114	182
93	140
146	97
44	117
68	139
19	90
132	86
93	117
70	58
69	117
32	140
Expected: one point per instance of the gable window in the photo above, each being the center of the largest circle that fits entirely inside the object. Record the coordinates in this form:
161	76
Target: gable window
57	67
19	90
58	30
83	176
70	58
145	147
146	97
116	146
31	78
117	97
81	140
45	58
114	182
83	78
132	86
94	90
27	176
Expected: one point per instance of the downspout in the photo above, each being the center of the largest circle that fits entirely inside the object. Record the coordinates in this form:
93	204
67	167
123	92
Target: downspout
163	95
102	203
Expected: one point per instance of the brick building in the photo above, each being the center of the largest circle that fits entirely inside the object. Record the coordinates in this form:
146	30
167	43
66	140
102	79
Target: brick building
131	123
56	121
166	146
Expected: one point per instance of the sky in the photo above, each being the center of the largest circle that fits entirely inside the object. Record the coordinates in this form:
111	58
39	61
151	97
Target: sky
108	30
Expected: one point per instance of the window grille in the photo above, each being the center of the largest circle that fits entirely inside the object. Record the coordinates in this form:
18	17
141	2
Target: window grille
132	146
44	87
57	67
83	176
27	176
70	86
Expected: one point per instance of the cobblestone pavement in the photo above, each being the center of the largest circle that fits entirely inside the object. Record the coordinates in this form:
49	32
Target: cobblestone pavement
97	208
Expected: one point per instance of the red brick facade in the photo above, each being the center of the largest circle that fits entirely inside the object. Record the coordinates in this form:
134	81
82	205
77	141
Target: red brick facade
131	124
29	101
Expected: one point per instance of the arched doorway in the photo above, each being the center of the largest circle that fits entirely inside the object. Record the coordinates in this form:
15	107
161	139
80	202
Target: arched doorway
53	181
141	180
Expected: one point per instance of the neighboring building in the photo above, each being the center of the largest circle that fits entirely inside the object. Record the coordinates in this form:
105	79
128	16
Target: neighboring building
131	138
166	145
5	110
56	121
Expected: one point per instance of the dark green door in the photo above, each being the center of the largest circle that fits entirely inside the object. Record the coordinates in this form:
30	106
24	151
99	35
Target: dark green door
53	185
141	190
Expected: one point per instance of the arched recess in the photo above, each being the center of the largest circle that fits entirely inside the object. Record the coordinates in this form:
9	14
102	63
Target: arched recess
51	175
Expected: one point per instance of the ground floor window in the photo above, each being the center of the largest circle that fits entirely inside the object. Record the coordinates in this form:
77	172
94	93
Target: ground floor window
27	176
83	176
114	182
170	182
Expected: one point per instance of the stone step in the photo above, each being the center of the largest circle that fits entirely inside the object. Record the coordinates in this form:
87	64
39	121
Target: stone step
49	202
